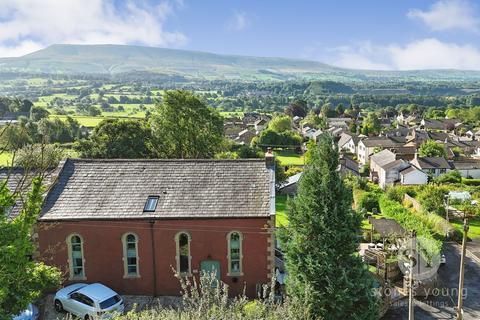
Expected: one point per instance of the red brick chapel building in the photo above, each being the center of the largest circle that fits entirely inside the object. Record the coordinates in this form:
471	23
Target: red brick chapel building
129	223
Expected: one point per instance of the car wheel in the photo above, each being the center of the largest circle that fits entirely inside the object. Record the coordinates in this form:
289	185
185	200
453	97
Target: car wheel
58	306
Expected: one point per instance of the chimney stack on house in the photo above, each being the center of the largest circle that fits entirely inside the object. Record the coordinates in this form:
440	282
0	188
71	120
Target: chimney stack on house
270	159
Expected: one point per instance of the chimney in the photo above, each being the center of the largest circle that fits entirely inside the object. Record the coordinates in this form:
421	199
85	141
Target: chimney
270	159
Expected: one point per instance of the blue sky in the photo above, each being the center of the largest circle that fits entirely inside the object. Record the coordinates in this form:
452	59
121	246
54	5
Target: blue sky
366	34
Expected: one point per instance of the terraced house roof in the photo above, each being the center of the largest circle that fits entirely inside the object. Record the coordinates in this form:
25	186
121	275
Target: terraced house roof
119	189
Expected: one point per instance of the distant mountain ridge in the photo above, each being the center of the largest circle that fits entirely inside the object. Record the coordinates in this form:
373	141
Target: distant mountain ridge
119	59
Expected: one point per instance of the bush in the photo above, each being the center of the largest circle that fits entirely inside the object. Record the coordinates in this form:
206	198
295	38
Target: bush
471	182
453	176
412	221
432	199
208	299
293	171
369	201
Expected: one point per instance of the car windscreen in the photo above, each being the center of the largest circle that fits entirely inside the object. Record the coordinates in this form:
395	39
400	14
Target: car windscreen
110	302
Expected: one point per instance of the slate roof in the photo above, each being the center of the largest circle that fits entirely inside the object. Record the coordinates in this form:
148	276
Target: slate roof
386	227
381	142
467	165
393	164
383	157
19	181
432	163
118	189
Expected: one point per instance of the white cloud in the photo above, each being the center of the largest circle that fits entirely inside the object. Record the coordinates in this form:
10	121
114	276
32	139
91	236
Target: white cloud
239	22
28	25
427	53
448	14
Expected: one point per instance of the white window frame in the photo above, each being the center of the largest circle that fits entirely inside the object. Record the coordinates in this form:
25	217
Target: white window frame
230	272
177	256
72	275
125	258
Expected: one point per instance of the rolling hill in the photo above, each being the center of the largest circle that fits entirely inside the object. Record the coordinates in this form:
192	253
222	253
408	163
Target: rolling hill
121	59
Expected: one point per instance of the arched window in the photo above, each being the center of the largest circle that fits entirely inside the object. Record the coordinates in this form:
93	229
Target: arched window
235	256
130	255
76	260
183	257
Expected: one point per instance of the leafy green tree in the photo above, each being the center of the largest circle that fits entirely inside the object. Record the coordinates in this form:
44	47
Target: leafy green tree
339	109
321	242
183	126
297	108
371	125
280	123
38	156
117	138
22	280
431	148
38	113
14	137
270	138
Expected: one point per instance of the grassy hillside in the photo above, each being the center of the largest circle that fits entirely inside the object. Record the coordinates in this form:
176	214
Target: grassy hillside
121	59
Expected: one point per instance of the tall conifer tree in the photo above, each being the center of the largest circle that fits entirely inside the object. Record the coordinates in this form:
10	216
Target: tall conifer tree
321	243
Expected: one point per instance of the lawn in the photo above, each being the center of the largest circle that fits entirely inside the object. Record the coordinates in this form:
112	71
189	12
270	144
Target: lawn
289	158
473	230
281	210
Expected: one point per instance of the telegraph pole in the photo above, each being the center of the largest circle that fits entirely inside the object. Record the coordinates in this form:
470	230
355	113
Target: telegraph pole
462	271
410	278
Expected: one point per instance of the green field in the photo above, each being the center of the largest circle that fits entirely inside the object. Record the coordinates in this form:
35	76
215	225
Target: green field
289	158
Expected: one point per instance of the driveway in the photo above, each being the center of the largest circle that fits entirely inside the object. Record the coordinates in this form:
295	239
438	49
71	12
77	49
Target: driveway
441	304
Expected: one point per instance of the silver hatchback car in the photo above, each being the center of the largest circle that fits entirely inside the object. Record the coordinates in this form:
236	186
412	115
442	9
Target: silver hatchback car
89	301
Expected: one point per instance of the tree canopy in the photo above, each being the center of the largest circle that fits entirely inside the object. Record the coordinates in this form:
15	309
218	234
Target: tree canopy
183	126
22	280
431	148
116	138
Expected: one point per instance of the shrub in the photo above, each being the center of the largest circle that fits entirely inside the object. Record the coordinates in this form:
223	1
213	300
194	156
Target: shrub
432	199
412	221
208	299
453	176
293	171
369	201
471	182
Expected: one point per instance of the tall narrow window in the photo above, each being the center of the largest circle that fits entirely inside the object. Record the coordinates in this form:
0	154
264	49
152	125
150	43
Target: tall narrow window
76	260
235	255
183	253
130	255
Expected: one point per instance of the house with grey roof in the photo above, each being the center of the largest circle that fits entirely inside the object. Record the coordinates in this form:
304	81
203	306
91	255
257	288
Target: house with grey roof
433	166
133	224
388	173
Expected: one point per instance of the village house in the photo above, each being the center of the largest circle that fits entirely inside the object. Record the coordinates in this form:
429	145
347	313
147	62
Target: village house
130	223
468	168
366	147
411	175
379	159
433	166
348	142
260	125
245	137
388	173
